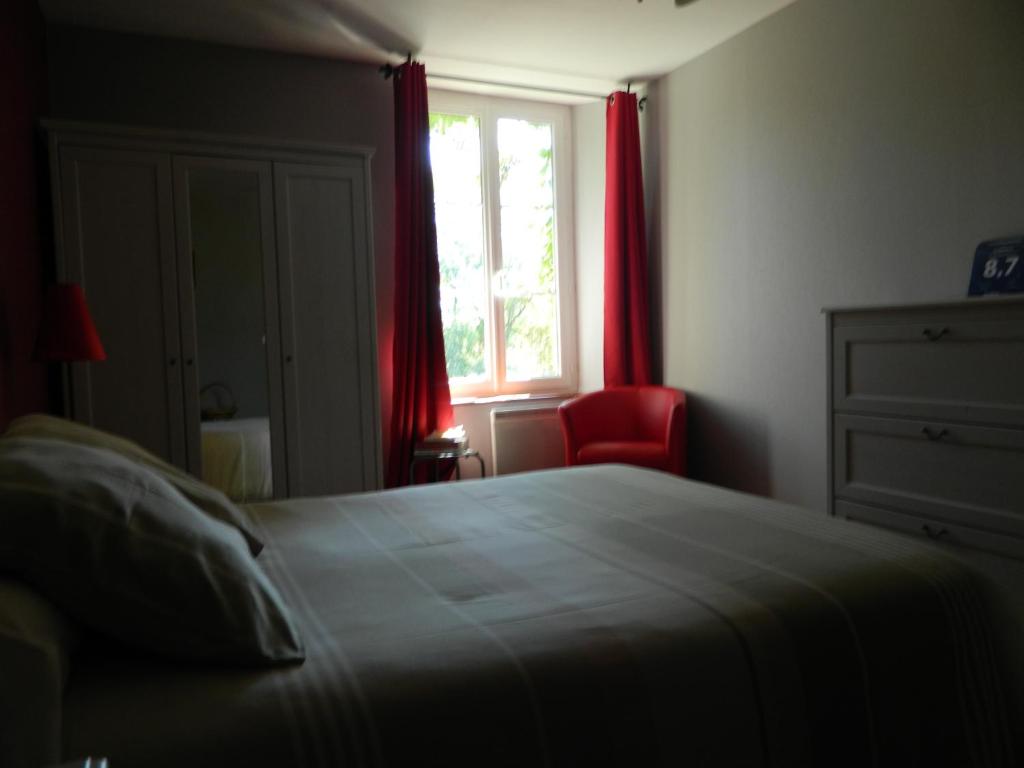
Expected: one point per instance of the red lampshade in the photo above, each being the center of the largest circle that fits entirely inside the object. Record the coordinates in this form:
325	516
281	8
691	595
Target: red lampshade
66	330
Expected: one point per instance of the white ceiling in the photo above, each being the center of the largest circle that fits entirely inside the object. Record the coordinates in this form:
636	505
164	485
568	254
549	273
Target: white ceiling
584	46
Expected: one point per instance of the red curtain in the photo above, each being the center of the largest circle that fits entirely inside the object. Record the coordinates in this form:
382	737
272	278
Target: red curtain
421	399
627	358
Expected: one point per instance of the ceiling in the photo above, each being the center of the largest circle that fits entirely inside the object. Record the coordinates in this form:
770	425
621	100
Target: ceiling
553	47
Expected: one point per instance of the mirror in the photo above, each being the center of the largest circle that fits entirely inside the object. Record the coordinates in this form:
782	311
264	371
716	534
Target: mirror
231	330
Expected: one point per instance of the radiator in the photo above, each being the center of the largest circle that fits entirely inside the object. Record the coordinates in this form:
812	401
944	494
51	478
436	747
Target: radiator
524	439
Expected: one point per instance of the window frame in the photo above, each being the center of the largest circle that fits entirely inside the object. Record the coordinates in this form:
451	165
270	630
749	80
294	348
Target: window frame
488	110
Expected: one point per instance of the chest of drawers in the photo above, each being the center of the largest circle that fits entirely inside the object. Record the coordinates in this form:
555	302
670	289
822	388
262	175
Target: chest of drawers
926	415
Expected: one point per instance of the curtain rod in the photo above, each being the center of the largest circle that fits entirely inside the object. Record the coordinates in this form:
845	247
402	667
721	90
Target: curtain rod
388	70
641	103
521	86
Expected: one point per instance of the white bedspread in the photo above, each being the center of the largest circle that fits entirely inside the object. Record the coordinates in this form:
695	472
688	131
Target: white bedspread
583	617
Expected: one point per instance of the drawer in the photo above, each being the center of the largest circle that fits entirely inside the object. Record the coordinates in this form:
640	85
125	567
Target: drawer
969	370
954	473
945	533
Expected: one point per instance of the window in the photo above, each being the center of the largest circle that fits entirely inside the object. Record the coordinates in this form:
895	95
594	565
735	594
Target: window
502	171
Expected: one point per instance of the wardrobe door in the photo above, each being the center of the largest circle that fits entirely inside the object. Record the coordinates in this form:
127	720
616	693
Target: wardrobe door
328	328
227	271
117	233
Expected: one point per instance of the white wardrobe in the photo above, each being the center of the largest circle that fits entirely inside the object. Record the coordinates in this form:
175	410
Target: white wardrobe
231	282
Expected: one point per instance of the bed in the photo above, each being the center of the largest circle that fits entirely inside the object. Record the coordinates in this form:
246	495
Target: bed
236	458
590	616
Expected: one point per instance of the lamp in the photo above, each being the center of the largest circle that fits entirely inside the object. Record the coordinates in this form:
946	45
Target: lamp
66	331
67	334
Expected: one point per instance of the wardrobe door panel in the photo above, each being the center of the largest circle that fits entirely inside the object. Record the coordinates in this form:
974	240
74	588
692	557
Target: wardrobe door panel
118	242
328	328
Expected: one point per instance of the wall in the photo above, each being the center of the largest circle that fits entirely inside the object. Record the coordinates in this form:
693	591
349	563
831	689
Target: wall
589	152
836	153
23	383
135	80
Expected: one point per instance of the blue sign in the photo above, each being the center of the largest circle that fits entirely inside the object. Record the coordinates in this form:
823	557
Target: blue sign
998	267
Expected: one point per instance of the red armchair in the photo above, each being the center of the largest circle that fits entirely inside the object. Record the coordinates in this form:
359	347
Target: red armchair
645	426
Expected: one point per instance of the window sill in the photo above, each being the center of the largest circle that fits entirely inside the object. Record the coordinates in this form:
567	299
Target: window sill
504	399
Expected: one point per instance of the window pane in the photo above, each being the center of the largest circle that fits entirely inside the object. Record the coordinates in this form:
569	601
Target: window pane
455	160
531	338
528	279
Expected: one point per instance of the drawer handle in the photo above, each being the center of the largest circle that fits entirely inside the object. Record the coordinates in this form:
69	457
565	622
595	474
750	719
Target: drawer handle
934	533
931	335
932	434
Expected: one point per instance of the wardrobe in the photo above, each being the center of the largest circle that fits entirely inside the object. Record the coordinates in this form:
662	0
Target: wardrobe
231	282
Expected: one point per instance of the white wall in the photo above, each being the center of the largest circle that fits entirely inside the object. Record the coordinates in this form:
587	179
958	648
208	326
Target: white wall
836	153
589	128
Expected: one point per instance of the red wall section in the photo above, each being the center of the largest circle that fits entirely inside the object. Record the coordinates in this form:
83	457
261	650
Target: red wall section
23	383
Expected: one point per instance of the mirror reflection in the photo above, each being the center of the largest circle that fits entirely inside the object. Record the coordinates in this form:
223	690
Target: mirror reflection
227	261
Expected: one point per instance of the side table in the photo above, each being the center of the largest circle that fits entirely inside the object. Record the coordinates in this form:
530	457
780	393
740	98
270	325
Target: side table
422	455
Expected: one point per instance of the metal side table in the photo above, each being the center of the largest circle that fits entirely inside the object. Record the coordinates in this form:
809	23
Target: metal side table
422	455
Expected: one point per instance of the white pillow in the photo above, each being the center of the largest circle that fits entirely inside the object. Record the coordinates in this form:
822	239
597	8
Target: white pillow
35	645
209	500
116	546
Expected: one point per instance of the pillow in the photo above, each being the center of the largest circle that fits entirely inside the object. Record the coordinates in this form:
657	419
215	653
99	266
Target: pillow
35	646
210	500
116	546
